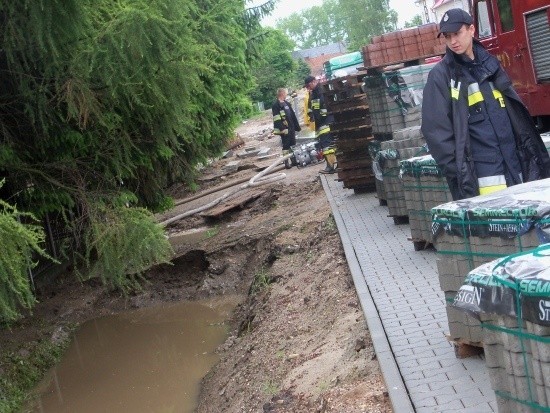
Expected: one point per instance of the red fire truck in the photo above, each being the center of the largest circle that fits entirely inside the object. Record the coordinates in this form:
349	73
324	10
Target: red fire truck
518	33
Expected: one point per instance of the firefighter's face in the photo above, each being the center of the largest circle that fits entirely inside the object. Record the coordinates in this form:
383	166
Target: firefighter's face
311	85
461	42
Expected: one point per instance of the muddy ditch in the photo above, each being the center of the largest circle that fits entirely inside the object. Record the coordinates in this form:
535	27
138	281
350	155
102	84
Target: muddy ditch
297	341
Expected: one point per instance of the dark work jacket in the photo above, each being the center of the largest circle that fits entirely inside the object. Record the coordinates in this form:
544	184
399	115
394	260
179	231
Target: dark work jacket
446	129
284	118
318	109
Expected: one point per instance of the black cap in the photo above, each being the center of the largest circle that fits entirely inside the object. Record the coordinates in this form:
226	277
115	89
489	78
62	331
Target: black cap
453	20
308	80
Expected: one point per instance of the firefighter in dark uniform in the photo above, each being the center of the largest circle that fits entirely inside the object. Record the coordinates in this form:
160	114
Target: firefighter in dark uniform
477	129
317	112
285	122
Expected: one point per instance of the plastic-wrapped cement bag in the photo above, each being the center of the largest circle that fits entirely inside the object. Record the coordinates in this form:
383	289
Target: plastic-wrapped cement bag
517	285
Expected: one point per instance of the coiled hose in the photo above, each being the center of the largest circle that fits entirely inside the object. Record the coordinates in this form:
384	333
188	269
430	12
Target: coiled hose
256	180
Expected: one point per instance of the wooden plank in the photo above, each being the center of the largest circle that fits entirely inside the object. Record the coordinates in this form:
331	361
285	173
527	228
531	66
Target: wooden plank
465	348
238	202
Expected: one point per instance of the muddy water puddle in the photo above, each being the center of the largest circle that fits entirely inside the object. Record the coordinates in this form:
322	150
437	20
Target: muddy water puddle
149	360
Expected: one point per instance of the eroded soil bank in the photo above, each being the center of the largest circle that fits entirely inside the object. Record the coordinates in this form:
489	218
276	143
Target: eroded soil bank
298	340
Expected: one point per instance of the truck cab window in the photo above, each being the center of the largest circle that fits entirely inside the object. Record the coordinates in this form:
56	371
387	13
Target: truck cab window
483	21
505	12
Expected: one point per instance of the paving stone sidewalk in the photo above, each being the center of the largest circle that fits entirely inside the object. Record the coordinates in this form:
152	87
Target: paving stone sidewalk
405	310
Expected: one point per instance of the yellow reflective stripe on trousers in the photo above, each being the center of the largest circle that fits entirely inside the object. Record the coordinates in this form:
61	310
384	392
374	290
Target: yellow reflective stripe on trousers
474	94
490	184
498	96
322	130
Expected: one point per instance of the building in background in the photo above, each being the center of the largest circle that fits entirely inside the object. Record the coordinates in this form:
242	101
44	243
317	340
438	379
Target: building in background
316	56
441	6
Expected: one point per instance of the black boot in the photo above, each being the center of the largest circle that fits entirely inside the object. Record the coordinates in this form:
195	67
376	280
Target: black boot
330	160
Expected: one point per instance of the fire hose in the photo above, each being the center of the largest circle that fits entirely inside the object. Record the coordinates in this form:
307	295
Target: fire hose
256	180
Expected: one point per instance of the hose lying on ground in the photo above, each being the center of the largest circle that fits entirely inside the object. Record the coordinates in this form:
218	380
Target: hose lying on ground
256	180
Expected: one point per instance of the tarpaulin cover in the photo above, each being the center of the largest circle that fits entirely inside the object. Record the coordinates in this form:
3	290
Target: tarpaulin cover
508	213
517	285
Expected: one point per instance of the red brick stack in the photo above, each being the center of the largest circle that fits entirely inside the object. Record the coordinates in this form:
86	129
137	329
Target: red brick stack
404	45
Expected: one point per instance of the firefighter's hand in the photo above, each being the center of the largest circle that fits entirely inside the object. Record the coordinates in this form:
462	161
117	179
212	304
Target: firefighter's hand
284	132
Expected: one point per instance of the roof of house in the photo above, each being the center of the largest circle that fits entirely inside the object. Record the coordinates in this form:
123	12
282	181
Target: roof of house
313	52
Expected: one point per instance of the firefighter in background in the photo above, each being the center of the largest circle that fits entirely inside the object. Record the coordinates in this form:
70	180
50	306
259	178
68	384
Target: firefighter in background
317	112
285	123
309	122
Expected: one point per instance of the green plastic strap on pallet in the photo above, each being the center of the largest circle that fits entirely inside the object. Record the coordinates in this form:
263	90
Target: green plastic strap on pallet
445	188
472	254
493	221
508	396
500	329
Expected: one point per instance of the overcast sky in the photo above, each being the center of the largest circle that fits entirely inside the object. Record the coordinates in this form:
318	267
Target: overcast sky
406	9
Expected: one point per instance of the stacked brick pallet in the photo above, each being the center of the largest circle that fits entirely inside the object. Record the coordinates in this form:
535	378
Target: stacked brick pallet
403	45
352	129
424	188
470	232
395	97
386	115
374	149
512	296
406	143
412	80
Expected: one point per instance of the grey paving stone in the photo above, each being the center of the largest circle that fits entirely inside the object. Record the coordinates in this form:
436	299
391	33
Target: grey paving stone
481	408
429	401
404	286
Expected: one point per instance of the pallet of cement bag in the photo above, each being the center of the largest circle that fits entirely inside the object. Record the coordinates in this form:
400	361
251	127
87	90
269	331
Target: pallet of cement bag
511	298
473	231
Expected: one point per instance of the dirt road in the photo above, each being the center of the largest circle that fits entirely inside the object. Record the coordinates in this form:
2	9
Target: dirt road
302	344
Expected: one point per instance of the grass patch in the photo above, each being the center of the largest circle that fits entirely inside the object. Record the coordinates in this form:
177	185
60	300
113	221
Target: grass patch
323	386
212	232
270	388
262	280
20	372
330	223
283	228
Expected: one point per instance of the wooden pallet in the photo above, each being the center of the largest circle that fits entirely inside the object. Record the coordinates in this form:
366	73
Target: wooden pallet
347	103
464	348
400	219
421	244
